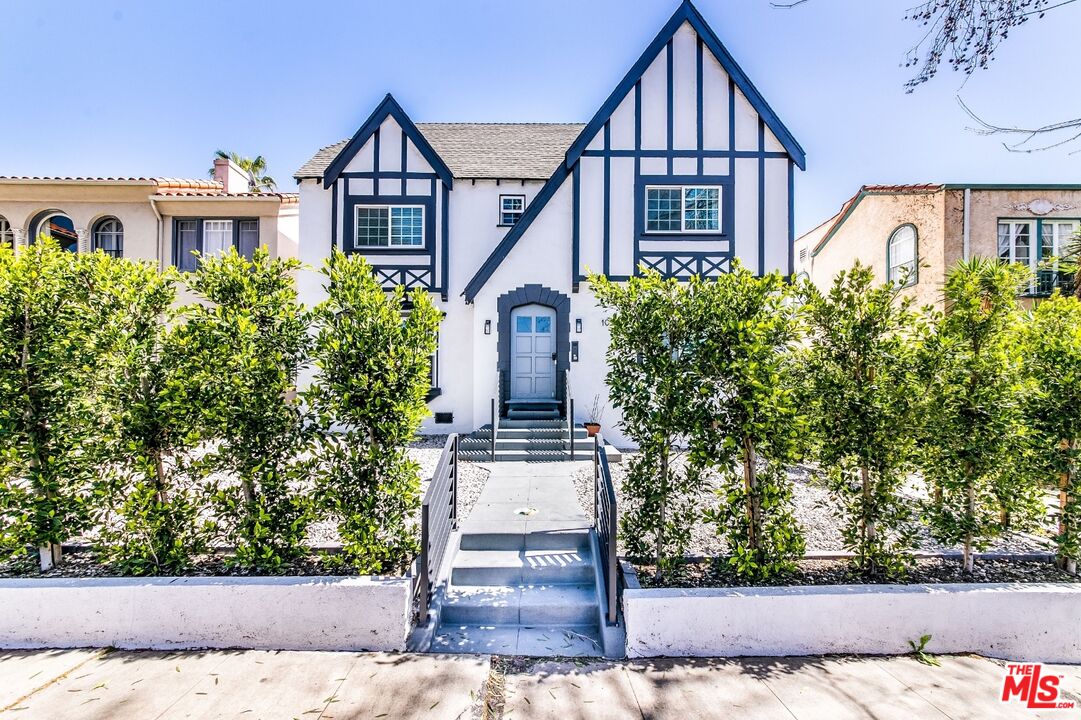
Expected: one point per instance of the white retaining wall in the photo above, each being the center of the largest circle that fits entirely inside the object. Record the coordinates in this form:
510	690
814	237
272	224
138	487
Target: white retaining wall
269	613
1025	622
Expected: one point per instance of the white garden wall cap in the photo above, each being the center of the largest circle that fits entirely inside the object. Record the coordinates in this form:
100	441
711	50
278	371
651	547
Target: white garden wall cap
204	580
853	589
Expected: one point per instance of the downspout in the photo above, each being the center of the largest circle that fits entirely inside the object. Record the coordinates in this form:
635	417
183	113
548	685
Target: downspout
966	226
161	232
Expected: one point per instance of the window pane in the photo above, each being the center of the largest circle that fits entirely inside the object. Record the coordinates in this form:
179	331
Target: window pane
373	227
1022	243
407	226
7	237
248	238
1004	241
217	236
544	324
524	324
510	209
902	254
187	242
663	209
702	208
109	237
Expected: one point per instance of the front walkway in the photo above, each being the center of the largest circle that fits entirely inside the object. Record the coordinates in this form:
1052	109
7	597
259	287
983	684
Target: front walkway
115	685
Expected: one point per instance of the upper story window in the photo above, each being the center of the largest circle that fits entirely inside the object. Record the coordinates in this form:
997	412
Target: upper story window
389	226
511	208
1055	237
1015	242
212	236
109	237
7	236
59	227
683	209
902	256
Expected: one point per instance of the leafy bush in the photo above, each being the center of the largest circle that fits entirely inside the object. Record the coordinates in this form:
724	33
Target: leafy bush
45	399
864	397
653	379
756	428
373	361
151	522
1052	354
973	432
244	348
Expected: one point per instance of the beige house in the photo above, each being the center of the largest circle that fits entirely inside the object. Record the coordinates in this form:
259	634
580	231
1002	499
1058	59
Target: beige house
915	233
157	219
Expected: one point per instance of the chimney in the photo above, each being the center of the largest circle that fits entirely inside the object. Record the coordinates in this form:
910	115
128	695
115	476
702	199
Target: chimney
229	174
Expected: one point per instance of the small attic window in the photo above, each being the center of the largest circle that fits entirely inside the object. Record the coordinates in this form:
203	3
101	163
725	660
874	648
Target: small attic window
511	208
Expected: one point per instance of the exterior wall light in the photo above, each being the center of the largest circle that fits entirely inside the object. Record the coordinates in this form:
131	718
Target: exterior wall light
578	325
487	327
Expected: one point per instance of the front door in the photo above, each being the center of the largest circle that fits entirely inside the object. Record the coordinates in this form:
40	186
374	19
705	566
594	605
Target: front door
533	347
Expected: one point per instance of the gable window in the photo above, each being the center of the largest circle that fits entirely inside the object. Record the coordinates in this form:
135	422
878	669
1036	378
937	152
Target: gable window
902	256
511	208
109	237
389	226
683	209
212	236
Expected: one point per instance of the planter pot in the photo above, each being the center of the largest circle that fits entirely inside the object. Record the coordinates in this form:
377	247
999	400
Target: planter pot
1014	621
265	613
592	428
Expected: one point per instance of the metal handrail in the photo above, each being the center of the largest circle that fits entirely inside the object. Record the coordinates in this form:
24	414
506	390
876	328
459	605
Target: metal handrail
570	409
438	517
605	522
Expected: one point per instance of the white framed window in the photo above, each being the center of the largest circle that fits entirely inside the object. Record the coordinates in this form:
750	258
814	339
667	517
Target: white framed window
217	237
7	236
109	237
902	256
683	209
1055	237
389	226
511	208
1015	242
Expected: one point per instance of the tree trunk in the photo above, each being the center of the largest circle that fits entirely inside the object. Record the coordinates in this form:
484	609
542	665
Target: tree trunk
970	515
1067	563
750	486
660	528
867	520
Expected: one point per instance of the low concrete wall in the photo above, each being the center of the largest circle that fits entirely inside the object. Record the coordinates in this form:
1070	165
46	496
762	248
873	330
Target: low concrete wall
270	613
1037	622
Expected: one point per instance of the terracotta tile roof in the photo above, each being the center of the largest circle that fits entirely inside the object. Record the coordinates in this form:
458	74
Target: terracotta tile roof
508	151
71	179
285	198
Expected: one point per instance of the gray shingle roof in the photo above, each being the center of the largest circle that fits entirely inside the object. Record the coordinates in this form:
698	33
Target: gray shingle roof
509	151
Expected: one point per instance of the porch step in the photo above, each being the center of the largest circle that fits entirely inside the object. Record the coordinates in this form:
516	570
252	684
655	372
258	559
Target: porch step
517	567
516	414
537	641
511	423
566	540
536	444
529	433
551	604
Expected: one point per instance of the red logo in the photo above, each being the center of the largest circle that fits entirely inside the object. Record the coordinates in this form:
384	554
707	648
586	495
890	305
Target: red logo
1025	682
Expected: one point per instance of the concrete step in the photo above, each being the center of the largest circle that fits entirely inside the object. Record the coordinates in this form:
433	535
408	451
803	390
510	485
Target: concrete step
530	424
557	444
566	540
533	414
522	433
546	604
521	455
536	641
515	567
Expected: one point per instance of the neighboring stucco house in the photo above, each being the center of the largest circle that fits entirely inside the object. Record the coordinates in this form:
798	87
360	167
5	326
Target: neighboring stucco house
683	168
157	219
915	233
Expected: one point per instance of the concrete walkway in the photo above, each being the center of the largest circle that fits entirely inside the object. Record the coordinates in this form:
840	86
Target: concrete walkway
115	685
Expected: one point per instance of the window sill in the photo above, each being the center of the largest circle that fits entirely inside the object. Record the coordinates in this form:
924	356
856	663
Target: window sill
433	393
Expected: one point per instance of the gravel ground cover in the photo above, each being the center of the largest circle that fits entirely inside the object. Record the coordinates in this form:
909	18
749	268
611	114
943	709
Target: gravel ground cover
814	511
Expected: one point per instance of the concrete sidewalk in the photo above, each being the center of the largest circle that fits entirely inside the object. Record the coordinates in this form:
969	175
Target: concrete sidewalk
116	685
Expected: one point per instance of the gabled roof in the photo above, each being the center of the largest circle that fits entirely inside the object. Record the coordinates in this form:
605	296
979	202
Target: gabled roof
689	13
389	107
850	205
506	151
686	12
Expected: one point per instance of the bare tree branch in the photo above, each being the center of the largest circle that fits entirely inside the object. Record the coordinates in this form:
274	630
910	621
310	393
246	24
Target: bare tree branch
1063	133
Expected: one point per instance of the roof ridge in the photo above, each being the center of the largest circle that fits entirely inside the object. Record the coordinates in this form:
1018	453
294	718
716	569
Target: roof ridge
485	122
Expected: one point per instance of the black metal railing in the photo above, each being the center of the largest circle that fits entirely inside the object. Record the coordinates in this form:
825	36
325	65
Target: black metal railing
605	521
569	406
438	518
1048	280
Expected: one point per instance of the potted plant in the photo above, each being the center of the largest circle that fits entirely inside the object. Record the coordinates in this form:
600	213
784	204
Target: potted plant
596	411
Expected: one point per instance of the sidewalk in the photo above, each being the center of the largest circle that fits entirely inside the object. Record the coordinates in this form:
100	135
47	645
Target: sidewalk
117	685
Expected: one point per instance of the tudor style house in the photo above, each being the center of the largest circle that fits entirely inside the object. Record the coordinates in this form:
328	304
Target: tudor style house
913	234
683	168
157	219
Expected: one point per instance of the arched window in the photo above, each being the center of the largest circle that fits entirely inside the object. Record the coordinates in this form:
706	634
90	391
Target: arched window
7	236
902	256
109	237
59	227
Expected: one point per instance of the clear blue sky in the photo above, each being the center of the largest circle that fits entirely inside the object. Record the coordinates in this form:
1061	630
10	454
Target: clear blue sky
114	87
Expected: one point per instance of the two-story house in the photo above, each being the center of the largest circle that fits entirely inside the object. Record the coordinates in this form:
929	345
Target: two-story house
683	168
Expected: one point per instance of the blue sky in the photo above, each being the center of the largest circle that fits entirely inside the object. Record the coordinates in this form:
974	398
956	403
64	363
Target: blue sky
153	88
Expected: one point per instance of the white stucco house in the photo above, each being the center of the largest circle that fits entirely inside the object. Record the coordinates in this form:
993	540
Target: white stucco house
682	168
